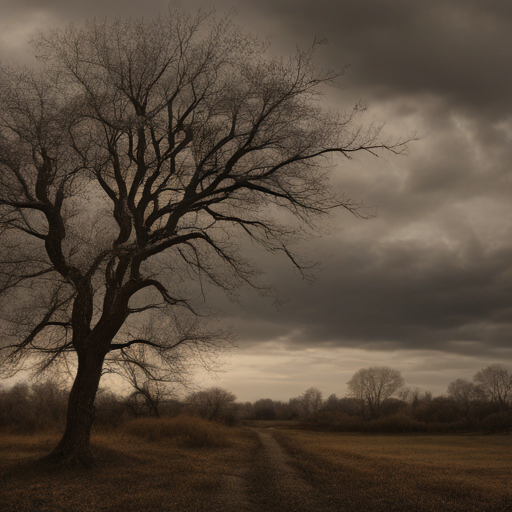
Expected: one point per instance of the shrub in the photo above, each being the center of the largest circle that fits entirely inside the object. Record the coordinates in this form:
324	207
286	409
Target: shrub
497	422
335	421
32	408
394	423
110	410
397	423
184	430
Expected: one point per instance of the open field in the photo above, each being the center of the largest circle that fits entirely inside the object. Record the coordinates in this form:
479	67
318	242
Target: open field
135	475
410	473
152	467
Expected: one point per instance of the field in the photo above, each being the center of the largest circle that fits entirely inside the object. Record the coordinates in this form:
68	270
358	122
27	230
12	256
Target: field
410	473
152	467
133	475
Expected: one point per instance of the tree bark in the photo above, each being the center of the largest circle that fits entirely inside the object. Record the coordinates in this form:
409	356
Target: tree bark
74	447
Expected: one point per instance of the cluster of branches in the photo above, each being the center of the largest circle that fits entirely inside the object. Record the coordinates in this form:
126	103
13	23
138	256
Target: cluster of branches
131	161
138	138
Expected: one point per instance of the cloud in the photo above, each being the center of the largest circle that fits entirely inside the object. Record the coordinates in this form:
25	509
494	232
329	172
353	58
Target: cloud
430	277
458	50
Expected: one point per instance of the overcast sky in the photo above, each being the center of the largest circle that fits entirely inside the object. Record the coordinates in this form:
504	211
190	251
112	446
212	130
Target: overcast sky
426	285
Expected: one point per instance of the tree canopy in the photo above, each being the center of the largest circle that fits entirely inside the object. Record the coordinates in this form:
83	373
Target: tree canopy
131	162
374	385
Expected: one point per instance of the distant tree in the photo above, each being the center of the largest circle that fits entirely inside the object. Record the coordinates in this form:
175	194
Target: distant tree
213	404
16	407
111	409
374	385
392	406
245	410
49	402
414	396
351	406
332	404
464	393
310	401
440	409
130	162
495	381
264	409
151	384
29	408
147	397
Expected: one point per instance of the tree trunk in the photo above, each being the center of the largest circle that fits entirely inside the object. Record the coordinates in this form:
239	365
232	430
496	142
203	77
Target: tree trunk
74	447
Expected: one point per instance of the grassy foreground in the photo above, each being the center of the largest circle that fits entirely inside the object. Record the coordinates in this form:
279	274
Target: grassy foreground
148	466
188	464
411	473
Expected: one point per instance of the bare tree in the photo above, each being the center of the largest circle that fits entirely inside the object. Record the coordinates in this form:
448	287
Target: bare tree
495	381
264	409
414	396
213	403
156	373
310	401
131	162
149	389
374	385
464	393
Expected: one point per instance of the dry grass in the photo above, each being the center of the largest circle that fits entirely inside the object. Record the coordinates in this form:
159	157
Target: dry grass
189	431
273	423
411	473
150	466
135	474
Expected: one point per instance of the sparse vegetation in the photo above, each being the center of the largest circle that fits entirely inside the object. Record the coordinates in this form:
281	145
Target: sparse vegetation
148	465
135	475
183	430
421	453
403	473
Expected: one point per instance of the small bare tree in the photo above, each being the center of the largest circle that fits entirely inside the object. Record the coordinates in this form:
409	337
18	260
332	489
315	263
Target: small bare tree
155	373
310	401
131	163
149	388
213	404
464	393
374	385
495	381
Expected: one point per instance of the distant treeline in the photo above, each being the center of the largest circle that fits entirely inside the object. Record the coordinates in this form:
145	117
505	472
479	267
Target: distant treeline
482	405
380	402
27	408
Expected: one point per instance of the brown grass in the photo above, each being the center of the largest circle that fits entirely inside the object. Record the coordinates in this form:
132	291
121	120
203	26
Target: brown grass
134	475
410	473
184	430
156	465
273	423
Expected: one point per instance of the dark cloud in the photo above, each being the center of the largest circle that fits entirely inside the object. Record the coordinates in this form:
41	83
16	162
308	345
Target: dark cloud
433	270
407	295
456	49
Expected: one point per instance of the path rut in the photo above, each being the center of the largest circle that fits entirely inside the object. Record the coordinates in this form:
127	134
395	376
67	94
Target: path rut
272	484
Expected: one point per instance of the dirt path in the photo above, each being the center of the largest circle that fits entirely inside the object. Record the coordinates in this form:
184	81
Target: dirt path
272	484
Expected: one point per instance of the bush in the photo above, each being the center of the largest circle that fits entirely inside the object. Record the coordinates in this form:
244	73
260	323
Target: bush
184	430
497	422
32	408
397	423
335	421
110	410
